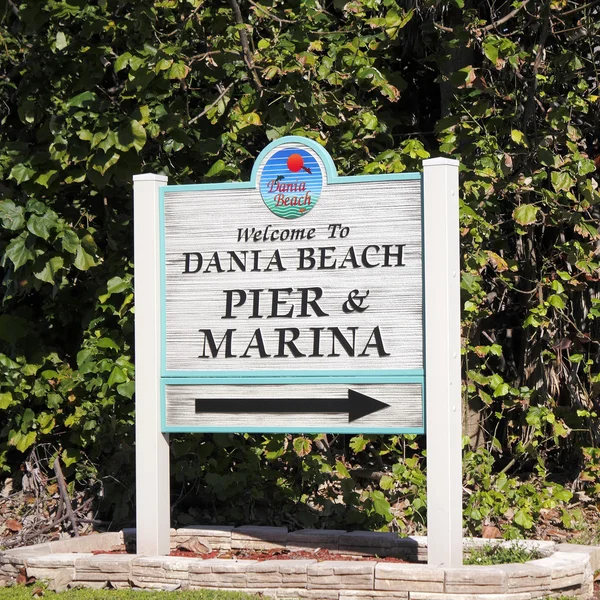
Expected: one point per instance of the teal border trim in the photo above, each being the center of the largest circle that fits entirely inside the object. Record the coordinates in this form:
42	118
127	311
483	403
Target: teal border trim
270	376
374	378
330	170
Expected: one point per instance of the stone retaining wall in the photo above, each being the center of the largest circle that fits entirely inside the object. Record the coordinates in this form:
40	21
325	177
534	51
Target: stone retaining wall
566	570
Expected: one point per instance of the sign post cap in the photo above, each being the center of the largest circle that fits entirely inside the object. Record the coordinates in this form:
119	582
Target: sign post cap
441	161
151	177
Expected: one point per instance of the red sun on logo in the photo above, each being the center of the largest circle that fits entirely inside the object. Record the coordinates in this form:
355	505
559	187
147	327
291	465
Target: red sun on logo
295	162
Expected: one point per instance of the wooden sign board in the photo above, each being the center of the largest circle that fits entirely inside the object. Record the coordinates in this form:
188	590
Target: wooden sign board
296	285
299	301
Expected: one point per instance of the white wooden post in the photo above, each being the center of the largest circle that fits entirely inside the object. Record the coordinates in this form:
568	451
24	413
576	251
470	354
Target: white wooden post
442	361
151	445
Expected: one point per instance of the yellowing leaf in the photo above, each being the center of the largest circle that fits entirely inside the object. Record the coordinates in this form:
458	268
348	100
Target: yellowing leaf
178	71
518	137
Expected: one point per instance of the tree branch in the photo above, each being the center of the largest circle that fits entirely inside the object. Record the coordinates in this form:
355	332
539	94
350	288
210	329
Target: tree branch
14	8
191	121
574	10
443	27
536	67
269	14
503	20
237	13
493	25
65	497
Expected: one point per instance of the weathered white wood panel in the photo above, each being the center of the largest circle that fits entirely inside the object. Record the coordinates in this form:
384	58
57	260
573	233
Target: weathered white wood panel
208	221
404	411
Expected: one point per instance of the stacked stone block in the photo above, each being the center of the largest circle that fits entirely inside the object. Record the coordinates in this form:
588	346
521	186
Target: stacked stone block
568	571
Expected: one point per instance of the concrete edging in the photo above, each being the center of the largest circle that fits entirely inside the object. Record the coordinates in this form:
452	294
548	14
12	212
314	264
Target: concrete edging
566	569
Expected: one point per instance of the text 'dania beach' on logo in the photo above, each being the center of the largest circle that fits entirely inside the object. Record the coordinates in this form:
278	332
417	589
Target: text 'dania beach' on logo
291	182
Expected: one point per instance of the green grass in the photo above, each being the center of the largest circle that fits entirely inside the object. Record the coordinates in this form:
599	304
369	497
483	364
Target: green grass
492	554
21	592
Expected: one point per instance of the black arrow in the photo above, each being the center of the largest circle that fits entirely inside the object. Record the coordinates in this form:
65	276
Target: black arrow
357	405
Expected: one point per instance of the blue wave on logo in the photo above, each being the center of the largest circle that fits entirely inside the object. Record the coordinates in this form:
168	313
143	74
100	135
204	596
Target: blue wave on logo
290	188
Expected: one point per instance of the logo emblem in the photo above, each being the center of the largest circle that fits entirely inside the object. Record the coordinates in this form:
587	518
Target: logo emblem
291	182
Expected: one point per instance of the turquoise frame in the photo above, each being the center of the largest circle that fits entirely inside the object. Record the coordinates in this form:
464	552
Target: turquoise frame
264	377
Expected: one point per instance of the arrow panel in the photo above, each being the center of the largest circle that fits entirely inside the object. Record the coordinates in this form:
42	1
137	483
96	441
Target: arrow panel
318	407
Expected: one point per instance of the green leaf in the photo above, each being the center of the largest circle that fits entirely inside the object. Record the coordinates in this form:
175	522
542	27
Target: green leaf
491	51
131	135
21	173
28	417
46	421
83	261
18	252
70	456
330	119
556	301
44	178
518	137
50	269
501	390
26	441
126	389
358	443
386	482
250	119
41	225
6	400
29	369
341	470
81	100
107	343
61	41
381	505
70	241
7	362
562	181
116	285
27	111
525	214
83	356
302	446
162	65
88	244
13	216
369	121
122	61
117	375
523	519
178	71
216	168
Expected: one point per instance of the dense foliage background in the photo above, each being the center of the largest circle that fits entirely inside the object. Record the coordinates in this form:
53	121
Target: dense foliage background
94	91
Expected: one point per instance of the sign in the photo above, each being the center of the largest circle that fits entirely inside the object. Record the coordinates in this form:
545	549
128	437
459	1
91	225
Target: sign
300	278
299	301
